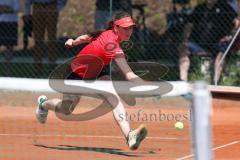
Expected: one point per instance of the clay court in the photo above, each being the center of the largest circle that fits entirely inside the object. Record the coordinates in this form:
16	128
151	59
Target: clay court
22	137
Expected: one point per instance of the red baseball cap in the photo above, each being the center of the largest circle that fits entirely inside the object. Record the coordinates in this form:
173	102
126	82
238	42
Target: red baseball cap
125	22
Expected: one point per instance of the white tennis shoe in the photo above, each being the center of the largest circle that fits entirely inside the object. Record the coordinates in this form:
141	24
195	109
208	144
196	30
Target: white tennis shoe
136	136
41	113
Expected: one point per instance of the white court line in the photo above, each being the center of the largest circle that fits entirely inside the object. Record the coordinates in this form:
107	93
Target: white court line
82	136
219	147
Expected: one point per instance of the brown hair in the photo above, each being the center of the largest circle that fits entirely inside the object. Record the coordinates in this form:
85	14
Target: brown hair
118	15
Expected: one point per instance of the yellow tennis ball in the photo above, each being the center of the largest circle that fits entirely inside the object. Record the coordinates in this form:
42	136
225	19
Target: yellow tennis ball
179	125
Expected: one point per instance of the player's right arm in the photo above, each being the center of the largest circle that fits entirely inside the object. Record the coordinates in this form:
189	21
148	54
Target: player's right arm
126	70
78	41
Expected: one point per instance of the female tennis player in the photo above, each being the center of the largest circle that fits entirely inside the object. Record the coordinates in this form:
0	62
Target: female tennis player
105	46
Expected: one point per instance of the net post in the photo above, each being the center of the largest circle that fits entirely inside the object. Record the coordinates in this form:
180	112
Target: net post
201	124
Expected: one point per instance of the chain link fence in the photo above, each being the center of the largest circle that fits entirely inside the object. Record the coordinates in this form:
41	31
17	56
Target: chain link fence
176	33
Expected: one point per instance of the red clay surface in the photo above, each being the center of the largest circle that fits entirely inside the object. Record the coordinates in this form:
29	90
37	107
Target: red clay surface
22	137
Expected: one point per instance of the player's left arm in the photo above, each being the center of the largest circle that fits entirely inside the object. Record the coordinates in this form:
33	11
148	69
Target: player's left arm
236	22
78	41
82	39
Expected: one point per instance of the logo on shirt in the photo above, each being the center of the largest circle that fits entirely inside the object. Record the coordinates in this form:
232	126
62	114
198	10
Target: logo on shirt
110	46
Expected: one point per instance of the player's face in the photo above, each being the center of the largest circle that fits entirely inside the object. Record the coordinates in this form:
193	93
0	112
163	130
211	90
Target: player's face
124	33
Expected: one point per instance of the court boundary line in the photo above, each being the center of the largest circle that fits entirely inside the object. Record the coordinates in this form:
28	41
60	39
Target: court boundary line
82	136
215	148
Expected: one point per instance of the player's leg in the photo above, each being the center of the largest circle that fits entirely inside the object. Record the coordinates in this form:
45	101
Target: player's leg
133	137
184	63
66	105
218	67
120	116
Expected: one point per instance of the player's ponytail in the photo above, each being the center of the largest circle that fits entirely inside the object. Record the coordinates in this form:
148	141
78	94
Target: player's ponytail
118	15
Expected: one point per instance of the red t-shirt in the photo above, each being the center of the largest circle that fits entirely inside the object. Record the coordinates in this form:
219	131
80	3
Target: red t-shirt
91	59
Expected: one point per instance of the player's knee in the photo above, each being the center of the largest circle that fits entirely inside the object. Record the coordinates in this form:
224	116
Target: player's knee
65	107
184	60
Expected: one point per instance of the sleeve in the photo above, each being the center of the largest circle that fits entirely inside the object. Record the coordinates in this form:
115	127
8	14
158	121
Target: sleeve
114	49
